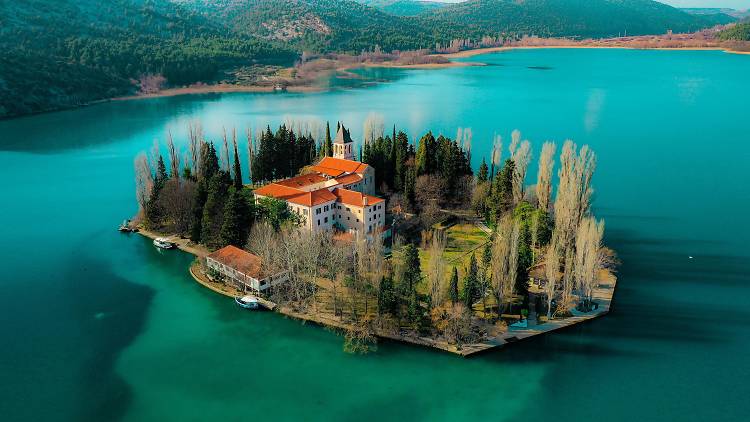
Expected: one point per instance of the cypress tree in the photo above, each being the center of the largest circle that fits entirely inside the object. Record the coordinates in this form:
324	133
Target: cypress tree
236	220
471	283
237	170
454	286
386	296
412	270
483	171
213	210
329	142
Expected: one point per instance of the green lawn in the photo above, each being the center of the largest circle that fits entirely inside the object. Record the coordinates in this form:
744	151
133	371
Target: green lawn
462	240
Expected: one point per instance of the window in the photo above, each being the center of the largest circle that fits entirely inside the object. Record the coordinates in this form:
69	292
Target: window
325	220
317	210
326	208
319	221
348	209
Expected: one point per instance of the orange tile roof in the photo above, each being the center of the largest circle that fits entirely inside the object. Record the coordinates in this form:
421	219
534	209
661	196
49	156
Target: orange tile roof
277	191
316	197
346	166
302	181
240	260
327	171
349	179
296	196
350	197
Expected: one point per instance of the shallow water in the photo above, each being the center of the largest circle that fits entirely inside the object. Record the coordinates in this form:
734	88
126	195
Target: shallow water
101	326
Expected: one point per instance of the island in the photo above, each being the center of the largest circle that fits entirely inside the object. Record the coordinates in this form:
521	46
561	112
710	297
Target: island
394	239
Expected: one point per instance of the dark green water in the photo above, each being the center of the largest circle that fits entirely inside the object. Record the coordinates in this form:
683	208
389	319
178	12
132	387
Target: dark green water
101	326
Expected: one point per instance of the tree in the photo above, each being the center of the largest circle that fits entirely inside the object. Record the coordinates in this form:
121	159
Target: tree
453	287
329	141
411	272
387	296
237	219
237	165
573	198
472	290
544	176
436	268
504	260
521	156
483	173
144	182
276	213
552	274
588	261
213	210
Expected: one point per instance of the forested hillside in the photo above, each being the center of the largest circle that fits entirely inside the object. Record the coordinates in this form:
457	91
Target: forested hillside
61	53
574	18
58	53
404	7
738	32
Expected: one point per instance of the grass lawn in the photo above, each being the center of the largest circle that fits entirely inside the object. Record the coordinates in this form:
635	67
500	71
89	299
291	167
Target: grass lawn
462	240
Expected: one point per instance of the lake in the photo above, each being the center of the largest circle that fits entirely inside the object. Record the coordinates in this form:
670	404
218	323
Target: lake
98	326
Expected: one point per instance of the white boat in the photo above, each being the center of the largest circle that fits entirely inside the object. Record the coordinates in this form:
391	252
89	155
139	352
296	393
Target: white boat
247	302
163	243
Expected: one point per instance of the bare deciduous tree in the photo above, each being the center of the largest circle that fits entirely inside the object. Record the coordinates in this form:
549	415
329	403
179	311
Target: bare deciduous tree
544	176
552	274
144	182
520	153
373	127
436	268
573	198
174	157
504	260
588	261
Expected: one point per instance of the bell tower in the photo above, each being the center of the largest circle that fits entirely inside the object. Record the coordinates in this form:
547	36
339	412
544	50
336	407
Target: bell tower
343	146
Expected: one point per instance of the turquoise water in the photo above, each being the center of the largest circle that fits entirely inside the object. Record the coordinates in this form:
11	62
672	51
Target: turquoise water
101	326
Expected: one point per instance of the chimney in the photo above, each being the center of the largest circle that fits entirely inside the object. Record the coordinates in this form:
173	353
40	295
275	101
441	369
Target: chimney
364	200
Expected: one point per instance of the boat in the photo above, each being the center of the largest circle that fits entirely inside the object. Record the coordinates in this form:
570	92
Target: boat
125	227
247	302
163	243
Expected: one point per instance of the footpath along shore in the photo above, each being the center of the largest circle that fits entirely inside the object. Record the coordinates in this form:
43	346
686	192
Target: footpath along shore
602	294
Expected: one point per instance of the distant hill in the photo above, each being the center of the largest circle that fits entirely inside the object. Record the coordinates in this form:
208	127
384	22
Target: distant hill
576	18
718	16
738	32
324	25
404	7
58	53
736	14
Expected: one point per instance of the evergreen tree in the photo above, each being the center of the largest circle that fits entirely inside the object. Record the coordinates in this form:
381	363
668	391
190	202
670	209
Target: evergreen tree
237	170
483	171
154	211
414	309
502	192
199	201
386	296
410	186
329	142
237	219
454	286
412	270
472	291
209	161
213	210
